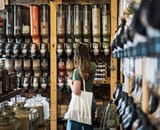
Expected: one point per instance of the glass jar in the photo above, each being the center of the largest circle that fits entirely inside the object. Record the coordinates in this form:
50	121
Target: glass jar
44	19
78	23
106	23
61	23
87	17
34	20
17	20
26	22
69	23
9	20
96	25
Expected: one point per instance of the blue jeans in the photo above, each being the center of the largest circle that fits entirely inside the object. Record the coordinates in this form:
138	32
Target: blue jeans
73	125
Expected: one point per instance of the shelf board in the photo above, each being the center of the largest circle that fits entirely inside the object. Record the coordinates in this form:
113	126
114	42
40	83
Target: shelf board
107	81
9	95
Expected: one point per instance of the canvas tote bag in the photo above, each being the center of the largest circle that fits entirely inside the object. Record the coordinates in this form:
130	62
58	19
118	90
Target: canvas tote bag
80	107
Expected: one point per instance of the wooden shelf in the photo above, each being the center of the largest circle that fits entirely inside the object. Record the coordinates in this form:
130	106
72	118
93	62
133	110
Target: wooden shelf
9	95
107	81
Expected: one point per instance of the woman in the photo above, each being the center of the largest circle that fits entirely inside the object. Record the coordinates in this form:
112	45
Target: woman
84	69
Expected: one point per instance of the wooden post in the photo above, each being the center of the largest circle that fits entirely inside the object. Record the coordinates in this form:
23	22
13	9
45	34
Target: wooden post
113	79
53	67
145	88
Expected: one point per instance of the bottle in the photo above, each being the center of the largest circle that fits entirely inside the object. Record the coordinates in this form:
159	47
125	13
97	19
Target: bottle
34	20
87	23
69	24
78	23
61	23
44	22
96	25
106	22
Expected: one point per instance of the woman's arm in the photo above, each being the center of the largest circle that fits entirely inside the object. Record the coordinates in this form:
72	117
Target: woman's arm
75	86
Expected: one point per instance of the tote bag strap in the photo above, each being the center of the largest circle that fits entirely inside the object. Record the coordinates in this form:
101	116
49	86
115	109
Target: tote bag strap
84	85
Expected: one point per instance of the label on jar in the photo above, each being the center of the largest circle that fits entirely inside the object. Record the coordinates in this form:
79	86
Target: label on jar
44	28
26	29
96	21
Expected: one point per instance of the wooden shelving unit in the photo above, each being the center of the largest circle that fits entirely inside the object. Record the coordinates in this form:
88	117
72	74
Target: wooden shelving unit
53	57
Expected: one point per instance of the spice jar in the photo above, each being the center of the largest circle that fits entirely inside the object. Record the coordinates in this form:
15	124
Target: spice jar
61	23
87	23
78	23
34	20
96	25
69	24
